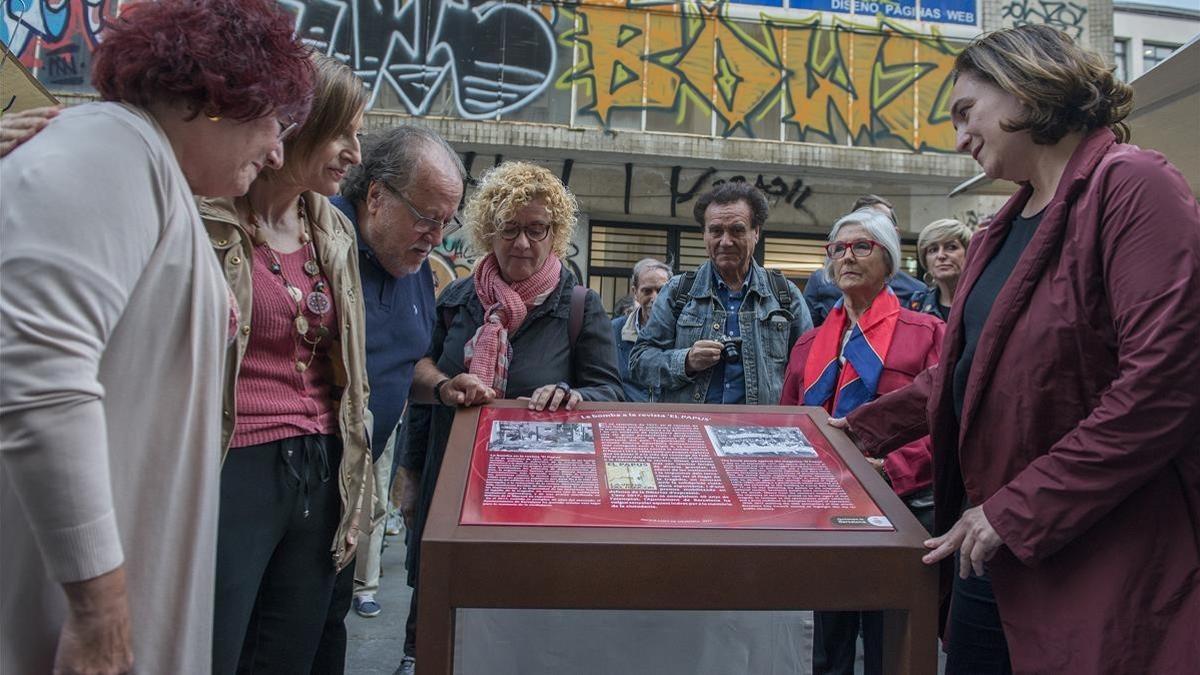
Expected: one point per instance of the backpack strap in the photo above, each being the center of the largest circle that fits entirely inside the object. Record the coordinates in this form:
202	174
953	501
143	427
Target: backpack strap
575	327
683	293
779	286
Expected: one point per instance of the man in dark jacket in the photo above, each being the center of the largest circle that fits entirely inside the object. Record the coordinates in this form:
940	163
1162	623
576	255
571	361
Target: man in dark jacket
648	278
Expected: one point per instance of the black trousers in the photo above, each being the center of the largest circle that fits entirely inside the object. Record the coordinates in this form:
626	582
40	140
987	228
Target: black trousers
280	506
835	635
975	643
331	652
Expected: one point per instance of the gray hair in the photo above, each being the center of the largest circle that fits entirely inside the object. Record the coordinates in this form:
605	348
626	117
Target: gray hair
646	265
394	157
879	227
942	230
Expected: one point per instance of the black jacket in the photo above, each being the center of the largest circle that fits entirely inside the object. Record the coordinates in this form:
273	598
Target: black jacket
541	354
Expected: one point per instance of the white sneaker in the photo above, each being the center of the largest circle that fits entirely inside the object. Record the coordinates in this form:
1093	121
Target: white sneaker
408	666
366	606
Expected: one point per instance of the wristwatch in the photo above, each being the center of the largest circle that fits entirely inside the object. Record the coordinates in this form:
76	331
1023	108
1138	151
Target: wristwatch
437	391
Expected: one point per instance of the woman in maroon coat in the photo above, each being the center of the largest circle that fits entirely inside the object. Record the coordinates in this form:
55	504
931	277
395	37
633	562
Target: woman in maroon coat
1065	414
867	346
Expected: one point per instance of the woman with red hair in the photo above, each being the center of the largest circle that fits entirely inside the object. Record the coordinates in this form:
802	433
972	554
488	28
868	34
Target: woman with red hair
114	321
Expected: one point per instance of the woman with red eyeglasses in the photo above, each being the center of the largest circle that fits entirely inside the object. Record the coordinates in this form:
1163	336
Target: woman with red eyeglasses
868	346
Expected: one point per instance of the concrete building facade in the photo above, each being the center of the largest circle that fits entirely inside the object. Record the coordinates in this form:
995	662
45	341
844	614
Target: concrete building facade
1145	35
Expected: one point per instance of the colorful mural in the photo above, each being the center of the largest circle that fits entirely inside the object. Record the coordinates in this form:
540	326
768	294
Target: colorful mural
832	83
707	67
55	38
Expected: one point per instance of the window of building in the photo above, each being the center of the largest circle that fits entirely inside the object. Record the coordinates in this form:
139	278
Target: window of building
1154	54
1121	59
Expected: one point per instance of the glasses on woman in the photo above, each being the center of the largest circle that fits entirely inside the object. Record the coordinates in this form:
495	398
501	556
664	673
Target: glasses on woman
859	248
511	231
423	223
286	129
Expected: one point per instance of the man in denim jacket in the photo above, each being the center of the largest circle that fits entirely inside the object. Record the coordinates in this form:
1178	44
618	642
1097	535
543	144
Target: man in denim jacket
685	352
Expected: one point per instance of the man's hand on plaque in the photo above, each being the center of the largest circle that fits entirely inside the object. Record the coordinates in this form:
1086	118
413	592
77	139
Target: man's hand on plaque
704	354
972	536
553	396
466	389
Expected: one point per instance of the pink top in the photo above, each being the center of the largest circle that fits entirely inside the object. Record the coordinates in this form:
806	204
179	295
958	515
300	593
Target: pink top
275	400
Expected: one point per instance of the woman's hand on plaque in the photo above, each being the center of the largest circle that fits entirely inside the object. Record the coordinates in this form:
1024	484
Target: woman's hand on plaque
553	396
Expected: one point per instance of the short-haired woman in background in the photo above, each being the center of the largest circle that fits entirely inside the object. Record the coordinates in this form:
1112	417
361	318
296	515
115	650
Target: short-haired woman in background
942	248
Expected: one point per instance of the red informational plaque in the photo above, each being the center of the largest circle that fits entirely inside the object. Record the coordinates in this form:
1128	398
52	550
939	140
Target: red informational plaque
661	468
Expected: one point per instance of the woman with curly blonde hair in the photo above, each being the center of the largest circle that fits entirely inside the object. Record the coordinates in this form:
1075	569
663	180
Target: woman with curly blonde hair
519	326
1064	413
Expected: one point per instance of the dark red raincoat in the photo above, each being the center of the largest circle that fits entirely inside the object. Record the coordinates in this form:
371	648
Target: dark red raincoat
1080	432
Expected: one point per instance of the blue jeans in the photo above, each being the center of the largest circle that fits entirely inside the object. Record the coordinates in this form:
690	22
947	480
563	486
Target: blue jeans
975	643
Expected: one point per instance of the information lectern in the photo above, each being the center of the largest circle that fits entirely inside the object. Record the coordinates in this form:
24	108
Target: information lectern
748	507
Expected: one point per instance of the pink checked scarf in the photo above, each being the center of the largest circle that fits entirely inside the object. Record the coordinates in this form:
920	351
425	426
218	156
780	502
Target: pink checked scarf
487	353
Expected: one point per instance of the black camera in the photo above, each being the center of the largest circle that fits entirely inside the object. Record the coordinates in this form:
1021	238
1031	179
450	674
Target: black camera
731	349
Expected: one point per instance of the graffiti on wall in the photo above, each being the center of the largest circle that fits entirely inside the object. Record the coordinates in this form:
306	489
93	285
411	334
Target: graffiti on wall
494	57
1065	16
65	30
870	85
691	63
867	83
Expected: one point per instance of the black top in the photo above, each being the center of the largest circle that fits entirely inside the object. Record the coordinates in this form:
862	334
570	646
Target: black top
978	304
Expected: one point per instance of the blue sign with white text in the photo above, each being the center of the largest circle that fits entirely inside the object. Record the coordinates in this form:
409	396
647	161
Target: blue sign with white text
938	11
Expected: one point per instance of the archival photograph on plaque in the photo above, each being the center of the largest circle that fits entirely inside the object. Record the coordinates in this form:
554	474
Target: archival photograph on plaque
747	441
557	437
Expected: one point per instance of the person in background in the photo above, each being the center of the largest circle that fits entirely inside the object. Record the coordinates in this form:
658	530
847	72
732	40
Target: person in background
821	294
296	471
942	247
624	306
710	326
114	320
868	346
505	331
648	278
1064	413
402	200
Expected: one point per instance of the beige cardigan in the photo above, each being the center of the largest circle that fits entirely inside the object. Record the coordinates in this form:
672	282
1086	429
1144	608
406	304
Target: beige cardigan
112	331
336	246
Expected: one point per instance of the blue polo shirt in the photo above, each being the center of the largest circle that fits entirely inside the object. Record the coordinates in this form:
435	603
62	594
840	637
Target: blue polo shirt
728	383
399	314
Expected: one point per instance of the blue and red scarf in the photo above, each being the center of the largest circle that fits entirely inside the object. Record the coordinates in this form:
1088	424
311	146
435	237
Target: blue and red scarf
840	389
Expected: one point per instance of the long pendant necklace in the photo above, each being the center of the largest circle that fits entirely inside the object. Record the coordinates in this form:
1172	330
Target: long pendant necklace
317	302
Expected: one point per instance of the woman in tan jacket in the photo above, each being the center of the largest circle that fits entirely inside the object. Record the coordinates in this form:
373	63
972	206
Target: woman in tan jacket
296	454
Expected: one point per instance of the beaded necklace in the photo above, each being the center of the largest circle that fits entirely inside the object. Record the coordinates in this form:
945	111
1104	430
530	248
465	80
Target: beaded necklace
317	302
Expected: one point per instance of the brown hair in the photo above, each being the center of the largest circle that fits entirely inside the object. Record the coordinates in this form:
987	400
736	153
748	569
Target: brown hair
338	97
1064	87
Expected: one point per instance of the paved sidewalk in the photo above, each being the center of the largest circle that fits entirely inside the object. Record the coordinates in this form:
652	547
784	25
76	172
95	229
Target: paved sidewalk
376	645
